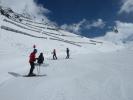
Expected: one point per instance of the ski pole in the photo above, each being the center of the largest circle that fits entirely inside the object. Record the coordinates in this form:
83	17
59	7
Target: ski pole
38	69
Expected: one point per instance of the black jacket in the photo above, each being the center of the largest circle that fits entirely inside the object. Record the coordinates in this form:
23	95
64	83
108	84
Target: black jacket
40	59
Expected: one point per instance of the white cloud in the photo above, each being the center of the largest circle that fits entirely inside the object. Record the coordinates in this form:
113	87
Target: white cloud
76	27
127	6
99	23
28	5
83	24
125	33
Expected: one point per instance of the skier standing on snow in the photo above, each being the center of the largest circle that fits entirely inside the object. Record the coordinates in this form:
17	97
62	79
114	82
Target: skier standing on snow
67	52
31	61
54	54
40	59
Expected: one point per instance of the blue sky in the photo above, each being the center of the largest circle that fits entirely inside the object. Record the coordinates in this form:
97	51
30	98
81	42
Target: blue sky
90	18
73	11
70	11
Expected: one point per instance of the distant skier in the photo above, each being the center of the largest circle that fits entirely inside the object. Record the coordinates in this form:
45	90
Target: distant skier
40	59
34	46
32	62
54	54
67	52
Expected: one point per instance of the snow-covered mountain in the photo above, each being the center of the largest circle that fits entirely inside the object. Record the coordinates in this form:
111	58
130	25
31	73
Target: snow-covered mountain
16	28
97	70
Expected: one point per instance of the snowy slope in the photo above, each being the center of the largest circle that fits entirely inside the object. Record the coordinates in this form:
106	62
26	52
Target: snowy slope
85	76
97	70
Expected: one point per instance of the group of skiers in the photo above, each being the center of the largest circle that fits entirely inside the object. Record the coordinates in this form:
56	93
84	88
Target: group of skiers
40	59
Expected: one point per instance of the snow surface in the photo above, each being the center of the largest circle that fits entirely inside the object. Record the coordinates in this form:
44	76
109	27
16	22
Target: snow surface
94	72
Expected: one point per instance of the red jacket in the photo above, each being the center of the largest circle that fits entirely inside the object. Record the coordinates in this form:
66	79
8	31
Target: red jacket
32	57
